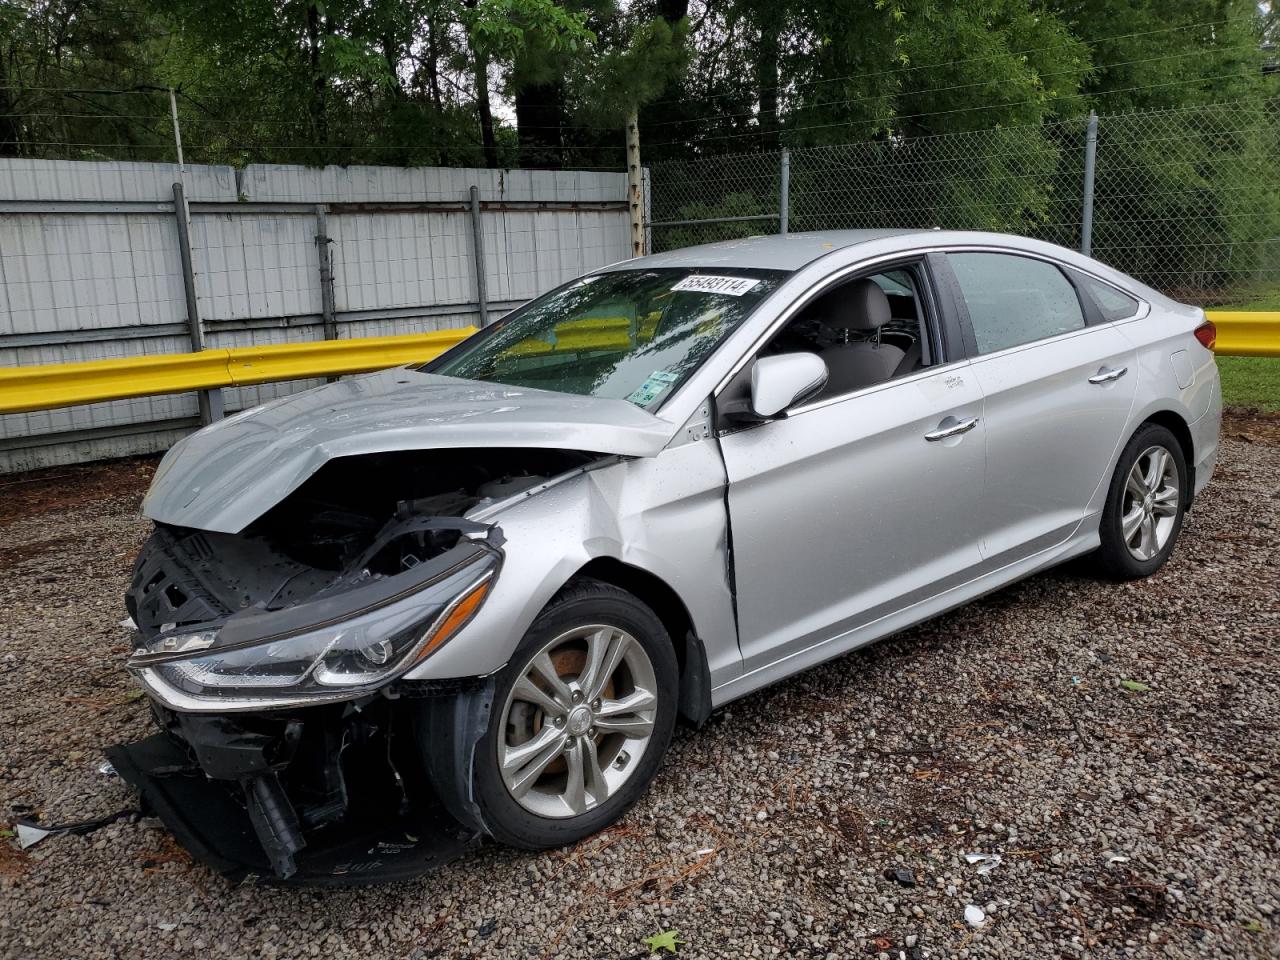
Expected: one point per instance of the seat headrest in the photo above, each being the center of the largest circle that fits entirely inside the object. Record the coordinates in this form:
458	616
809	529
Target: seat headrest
860	305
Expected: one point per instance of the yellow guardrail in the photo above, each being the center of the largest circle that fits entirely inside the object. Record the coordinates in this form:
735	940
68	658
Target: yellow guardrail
39	387
1244	333
63	384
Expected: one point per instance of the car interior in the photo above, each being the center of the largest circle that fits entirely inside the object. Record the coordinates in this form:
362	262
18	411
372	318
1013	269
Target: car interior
867	330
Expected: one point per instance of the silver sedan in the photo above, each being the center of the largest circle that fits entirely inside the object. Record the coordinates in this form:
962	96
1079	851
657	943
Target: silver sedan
387	617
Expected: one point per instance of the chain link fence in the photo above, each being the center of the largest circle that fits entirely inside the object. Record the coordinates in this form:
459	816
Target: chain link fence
1187	200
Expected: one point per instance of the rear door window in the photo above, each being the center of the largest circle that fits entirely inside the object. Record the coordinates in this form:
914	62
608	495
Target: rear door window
1013	300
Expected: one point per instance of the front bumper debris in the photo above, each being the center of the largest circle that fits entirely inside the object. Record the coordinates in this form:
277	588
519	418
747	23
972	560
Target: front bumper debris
215	828
333	795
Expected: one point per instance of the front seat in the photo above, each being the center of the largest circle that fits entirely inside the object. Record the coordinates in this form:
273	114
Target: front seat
859	307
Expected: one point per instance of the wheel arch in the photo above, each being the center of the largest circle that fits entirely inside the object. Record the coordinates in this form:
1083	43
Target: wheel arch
694	702
1174	422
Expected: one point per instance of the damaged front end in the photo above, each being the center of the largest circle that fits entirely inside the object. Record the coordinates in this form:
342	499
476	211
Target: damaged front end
291	746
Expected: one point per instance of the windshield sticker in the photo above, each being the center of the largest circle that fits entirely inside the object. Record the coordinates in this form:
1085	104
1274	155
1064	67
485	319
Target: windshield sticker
652	388
733	286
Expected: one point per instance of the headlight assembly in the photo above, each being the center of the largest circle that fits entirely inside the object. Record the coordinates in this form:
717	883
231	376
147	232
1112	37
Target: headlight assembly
335	648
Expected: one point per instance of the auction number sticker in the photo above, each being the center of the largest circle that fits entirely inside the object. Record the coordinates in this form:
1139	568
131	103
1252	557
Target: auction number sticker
733	286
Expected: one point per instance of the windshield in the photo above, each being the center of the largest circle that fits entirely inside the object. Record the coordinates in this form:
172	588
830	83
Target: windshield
631	334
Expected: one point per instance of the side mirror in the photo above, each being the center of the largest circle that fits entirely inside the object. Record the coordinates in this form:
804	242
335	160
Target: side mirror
783	380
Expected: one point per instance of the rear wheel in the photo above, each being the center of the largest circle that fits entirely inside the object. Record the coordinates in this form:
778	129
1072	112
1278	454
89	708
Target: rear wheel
1145	505
582	717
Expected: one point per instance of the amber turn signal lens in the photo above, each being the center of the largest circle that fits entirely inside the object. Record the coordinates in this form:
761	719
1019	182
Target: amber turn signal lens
453	619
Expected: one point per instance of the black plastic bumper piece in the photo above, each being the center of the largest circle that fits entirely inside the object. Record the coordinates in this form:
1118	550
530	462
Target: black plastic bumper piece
212	821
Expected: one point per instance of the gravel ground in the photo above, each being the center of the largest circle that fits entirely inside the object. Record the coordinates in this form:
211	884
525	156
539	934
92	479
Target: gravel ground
1131	822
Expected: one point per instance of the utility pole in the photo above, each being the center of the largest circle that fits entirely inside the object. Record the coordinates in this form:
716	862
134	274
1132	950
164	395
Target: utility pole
635	184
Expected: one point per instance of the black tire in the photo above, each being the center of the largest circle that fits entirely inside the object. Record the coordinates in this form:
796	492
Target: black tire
581	602
1114	558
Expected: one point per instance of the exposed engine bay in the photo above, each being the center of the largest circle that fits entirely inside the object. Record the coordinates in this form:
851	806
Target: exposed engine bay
356	519
354	779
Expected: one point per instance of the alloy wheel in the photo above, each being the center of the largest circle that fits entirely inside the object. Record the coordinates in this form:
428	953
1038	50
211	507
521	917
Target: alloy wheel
577	722
1150	506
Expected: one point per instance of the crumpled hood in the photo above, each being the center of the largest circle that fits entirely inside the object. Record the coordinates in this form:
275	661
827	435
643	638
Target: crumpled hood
230	473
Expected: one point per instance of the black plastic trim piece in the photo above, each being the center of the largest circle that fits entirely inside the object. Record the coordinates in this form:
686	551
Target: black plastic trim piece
275	822
211	821
1089	308
960	343
695	682
448	733
227	750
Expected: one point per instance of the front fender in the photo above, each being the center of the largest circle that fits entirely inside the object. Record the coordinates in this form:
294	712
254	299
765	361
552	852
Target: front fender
663	515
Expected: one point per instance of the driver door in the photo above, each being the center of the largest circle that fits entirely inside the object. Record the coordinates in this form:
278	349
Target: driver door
843	511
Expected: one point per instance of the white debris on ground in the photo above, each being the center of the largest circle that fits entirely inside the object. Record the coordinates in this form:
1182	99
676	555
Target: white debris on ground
1128	822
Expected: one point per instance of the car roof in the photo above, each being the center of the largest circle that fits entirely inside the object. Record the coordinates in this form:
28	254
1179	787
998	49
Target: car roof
777	252
794	251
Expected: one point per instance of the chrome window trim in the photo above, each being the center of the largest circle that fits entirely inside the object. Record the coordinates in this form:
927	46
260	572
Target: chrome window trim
1034	255
1143	306
874	388
965	362
1031	344
799	302
910	253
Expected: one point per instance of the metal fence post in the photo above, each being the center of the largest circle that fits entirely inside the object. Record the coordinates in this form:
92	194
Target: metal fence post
646	184
477	233
1090	160
211	407
326	272
784	199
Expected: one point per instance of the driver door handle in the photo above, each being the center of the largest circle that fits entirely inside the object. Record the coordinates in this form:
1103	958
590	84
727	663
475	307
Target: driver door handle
1107	374
951	430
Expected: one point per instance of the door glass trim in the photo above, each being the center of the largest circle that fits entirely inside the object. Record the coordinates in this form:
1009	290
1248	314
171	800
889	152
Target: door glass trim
874	388
1032	344
1034	255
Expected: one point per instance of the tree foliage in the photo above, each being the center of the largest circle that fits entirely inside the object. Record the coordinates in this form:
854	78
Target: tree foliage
997	90
549	81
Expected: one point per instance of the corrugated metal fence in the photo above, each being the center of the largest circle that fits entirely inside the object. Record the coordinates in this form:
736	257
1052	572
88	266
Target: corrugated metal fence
91	268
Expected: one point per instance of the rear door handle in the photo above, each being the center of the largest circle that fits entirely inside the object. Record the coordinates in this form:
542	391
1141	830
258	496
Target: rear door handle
953	429
1107	374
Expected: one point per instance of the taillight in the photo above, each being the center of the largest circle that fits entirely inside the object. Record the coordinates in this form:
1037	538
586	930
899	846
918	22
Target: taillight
1207	334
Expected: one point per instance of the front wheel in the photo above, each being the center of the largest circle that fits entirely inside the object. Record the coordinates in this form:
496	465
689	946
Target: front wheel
1145	505
582	717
